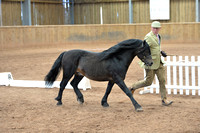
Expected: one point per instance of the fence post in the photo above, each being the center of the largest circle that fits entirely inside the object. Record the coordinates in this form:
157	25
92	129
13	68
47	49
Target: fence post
181	75
187	76
174	75
193	75
168	75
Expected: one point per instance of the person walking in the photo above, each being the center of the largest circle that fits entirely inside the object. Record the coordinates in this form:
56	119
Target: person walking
154	40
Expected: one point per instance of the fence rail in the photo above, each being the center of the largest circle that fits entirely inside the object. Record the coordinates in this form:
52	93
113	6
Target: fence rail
183	75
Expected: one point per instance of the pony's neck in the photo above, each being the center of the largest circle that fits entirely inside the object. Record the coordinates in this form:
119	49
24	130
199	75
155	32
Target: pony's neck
128	57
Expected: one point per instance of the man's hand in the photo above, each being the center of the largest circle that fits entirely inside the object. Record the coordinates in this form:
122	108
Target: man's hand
163	54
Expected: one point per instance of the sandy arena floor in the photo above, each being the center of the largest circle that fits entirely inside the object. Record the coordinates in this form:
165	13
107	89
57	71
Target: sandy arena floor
35	110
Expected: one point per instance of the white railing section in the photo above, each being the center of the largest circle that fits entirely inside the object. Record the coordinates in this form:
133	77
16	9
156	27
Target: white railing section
182	75
6	79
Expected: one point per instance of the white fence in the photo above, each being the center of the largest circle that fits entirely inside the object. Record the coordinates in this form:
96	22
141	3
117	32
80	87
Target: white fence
183	76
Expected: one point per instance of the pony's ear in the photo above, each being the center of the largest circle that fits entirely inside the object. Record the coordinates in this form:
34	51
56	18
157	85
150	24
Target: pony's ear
143	43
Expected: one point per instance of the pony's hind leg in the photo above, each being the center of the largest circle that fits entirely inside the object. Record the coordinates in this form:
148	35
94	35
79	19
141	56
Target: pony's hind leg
63	84
74	83
104	102
66	77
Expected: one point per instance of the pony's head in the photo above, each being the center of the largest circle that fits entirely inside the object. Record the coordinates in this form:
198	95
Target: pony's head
144	54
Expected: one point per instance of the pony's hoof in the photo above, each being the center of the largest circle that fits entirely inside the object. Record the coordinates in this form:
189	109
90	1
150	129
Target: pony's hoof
80	101
139	109
59	103
105	105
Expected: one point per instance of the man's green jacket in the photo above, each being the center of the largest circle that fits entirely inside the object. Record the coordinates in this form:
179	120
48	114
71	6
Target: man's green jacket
154	45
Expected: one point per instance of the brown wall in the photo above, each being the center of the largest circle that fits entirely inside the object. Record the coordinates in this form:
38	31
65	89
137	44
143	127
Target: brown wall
117	11
49	12
52	12
22	36
11	13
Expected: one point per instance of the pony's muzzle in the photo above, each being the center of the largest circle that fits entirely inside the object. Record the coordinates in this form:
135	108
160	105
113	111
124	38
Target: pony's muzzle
149	63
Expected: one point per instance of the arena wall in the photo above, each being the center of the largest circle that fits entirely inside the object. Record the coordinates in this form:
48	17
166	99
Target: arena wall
55	12
26	36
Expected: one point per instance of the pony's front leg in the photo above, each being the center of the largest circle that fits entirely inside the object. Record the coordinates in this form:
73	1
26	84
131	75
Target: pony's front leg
104	102
122	85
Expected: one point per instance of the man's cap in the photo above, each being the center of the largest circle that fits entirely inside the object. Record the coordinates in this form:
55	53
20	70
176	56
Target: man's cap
156	24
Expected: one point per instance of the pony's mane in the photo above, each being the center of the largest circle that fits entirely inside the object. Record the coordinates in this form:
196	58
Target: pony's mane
124	45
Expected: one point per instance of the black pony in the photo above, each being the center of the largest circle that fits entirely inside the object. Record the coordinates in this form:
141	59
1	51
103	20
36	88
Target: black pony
110	65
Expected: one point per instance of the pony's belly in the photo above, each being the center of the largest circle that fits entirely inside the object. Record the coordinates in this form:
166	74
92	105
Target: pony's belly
94	75
99	78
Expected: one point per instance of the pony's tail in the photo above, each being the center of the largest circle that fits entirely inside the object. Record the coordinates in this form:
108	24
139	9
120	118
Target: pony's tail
53	73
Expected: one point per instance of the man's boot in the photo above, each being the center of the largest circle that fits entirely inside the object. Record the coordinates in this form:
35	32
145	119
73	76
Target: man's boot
165	102
132	90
